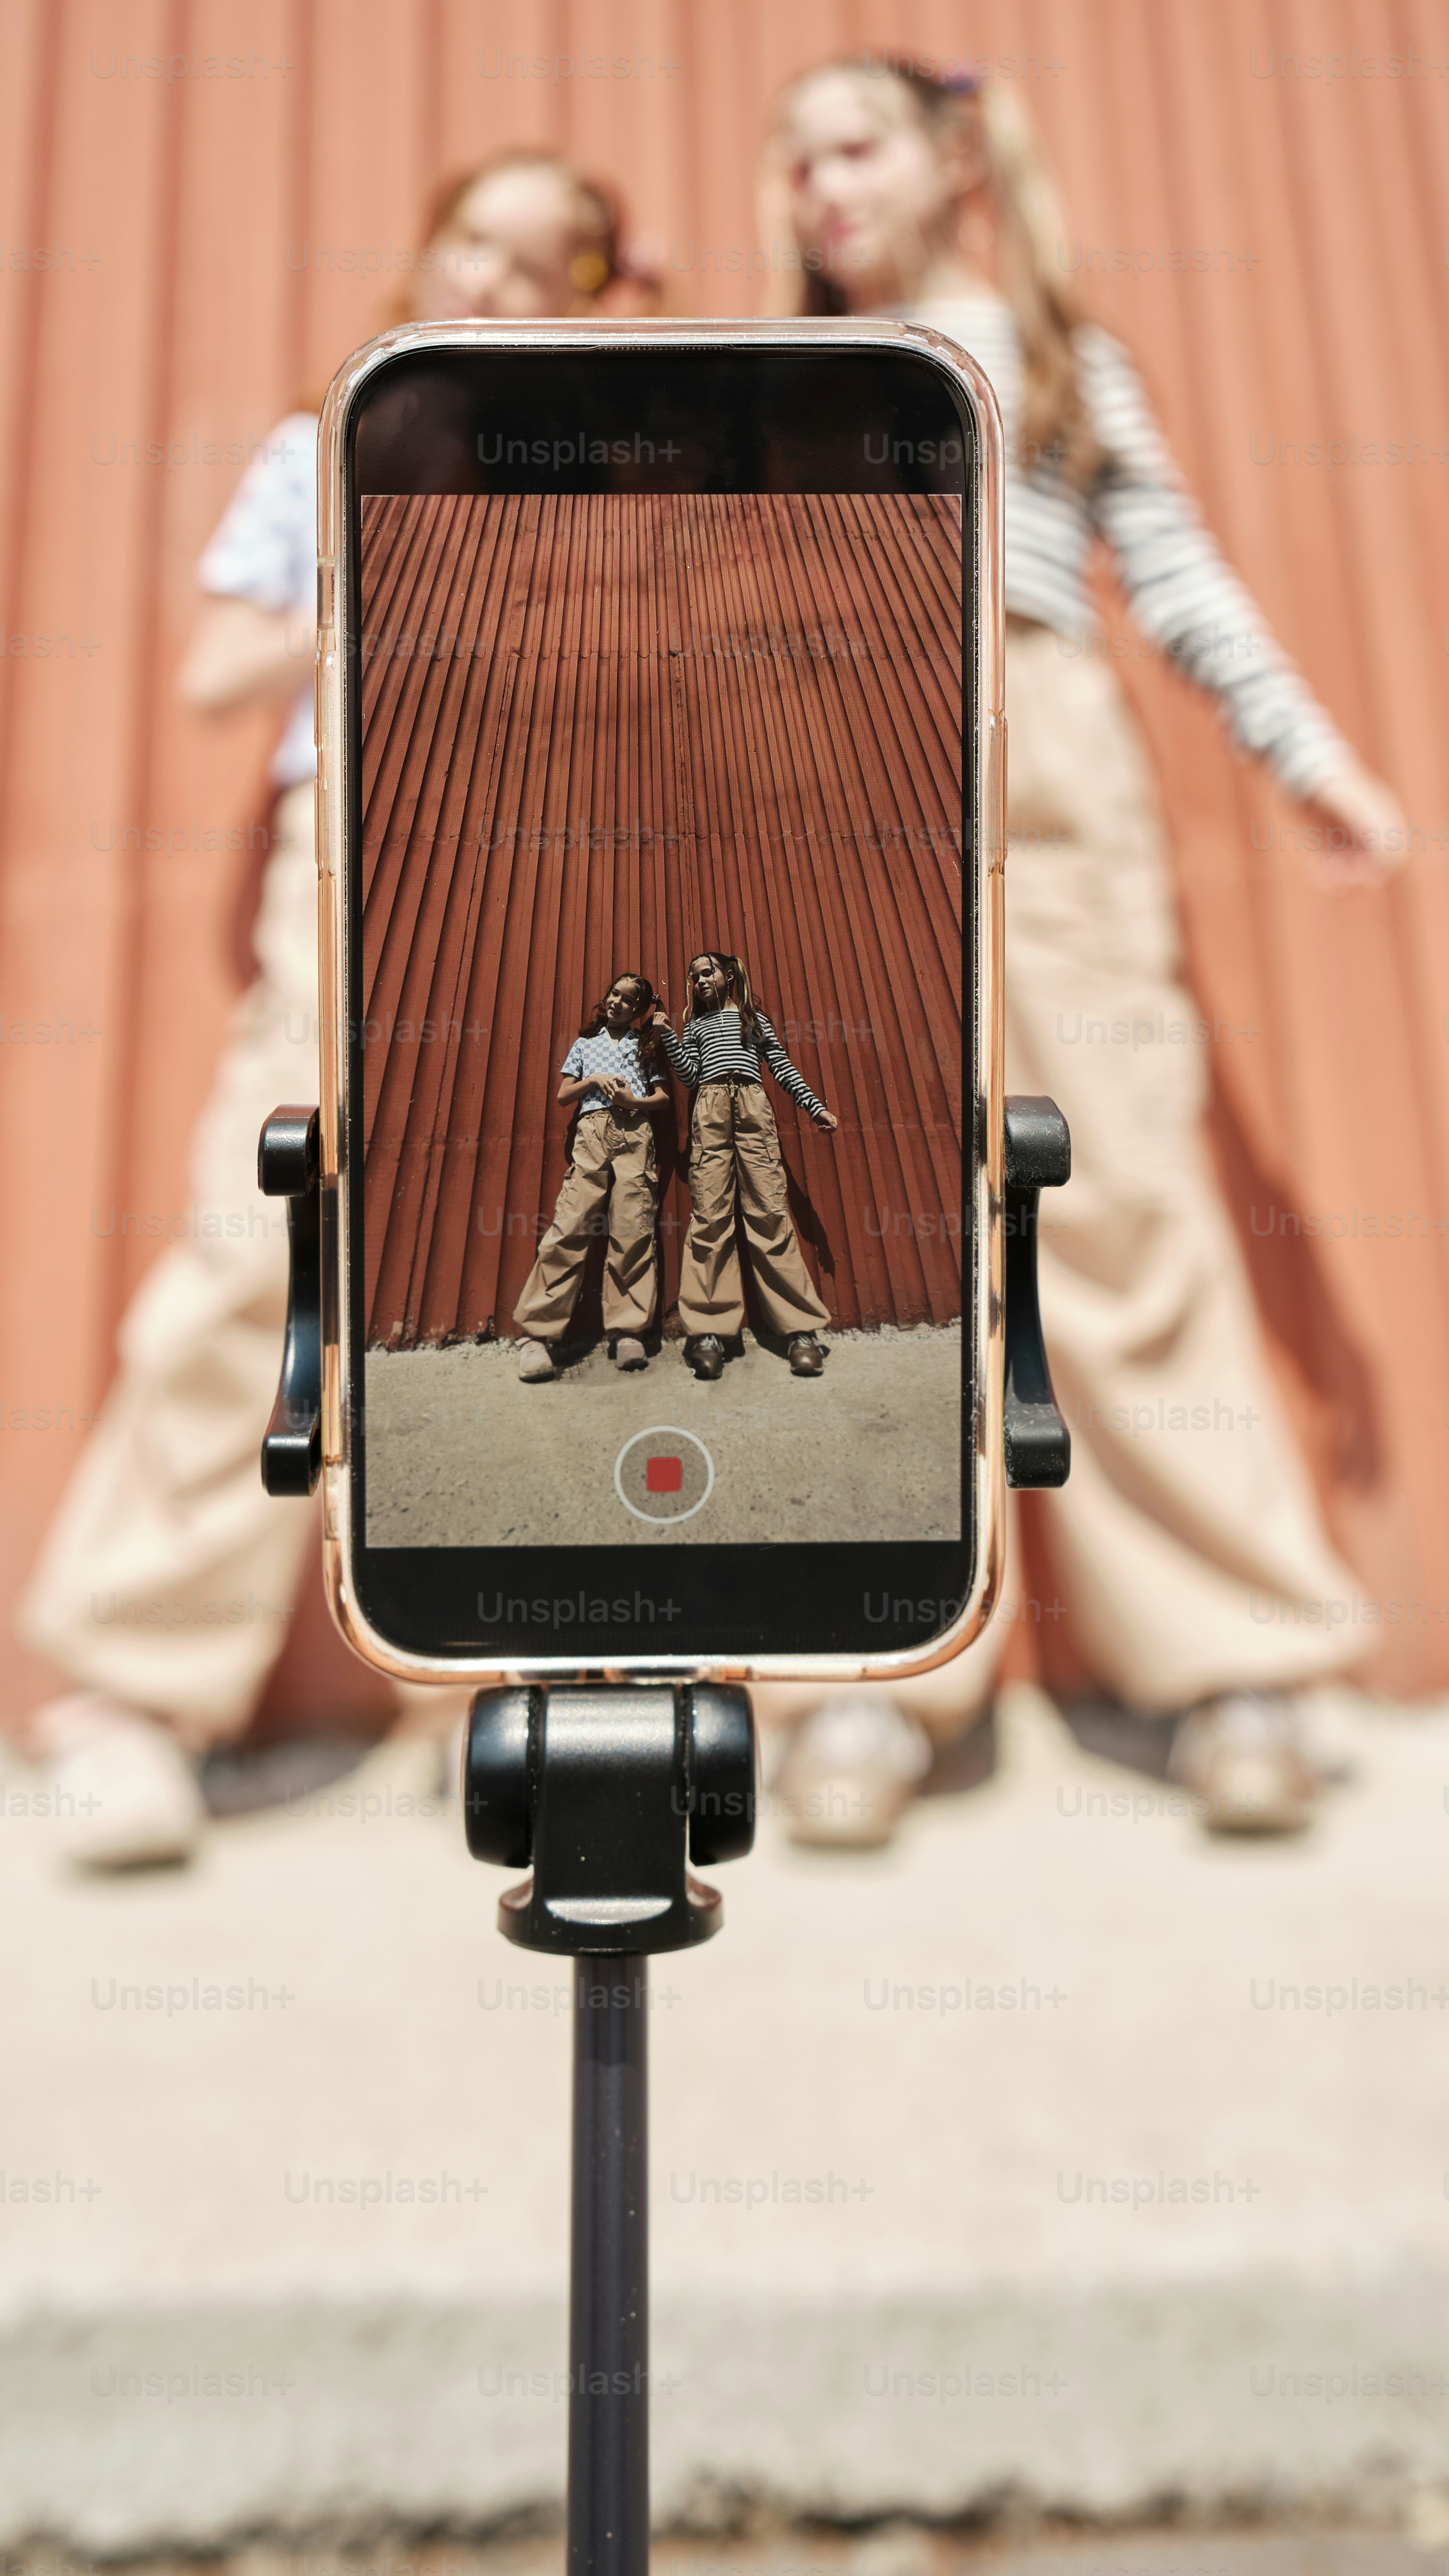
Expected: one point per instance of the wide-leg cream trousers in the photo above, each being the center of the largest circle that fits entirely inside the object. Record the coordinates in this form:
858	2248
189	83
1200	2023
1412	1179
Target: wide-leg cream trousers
611	1188
1187	1546
735	1165
168	1576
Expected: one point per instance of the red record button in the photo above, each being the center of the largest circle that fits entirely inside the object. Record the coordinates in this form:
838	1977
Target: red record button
664	1474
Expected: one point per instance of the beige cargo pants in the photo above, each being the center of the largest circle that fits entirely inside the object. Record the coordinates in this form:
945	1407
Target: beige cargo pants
168	1577
734	1160
1187	1547
611	1184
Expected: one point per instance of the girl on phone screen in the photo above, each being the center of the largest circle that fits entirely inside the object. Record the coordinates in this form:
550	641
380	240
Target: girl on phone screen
901	194
734	1163
610	1074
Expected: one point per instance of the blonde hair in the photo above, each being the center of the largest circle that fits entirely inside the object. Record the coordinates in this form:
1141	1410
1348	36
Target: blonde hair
1030	225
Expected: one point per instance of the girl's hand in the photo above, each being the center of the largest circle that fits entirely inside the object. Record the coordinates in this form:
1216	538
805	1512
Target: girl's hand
829	1122
1368	827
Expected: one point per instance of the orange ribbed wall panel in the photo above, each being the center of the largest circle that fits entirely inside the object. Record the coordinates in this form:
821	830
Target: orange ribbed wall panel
213	247
644	726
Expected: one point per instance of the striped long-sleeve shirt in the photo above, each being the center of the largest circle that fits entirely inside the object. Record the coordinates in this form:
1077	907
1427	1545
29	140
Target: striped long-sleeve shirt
1182	592
714	1048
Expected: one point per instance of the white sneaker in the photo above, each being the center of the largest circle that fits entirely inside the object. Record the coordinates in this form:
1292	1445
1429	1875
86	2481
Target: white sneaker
1243	1756
535	1361
629	1353
851	1772
123	1791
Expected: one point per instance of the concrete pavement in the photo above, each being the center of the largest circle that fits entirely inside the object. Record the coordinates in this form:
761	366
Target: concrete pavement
463	1455
1058	2155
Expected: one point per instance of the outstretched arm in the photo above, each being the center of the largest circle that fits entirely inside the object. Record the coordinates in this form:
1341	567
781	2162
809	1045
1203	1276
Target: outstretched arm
773	1054
1186	596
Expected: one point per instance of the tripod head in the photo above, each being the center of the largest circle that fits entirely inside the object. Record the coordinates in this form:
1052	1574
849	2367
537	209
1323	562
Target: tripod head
603	1790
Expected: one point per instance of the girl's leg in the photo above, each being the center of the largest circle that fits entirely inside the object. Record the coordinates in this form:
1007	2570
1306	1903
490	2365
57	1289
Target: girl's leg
552	1286
710	1297
631	1273
788	1298
858	1753
1187	1542
168	1578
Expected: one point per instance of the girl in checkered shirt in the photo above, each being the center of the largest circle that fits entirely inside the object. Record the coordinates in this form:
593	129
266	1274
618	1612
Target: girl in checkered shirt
610	1074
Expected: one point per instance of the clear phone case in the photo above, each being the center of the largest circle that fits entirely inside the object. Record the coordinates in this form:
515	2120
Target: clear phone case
986	1089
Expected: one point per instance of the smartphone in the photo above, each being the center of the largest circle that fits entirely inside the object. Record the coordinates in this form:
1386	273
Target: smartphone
660	839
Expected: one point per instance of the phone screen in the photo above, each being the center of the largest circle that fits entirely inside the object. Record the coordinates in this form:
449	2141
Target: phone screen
659	935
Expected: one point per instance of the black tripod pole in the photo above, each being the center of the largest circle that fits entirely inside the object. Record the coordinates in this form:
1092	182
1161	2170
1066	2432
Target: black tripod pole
603	1787
609	2297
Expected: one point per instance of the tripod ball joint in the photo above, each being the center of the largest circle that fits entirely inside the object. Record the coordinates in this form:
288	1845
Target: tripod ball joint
605	1790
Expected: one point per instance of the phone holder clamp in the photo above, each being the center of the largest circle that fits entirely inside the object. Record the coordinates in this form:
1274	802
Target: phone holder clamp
1038	1156
289	1166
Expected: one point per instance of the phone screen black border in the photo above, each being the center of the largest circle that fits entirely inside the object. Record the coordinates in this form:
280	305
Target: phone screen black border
733	419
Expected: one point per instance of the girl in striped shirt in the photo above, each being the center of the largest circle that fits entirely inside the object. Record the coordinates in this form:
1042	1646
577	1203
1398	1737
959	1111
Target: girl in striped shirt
734	1163
893	192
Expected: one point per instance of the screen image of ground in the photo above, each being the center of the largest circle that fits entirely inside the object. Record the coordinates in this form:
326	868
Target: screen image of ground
661	1045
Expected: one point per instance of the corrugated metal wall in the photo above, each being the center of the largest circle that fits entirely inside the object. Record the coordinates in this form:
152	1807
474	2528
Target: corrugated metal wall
645	727
1258	199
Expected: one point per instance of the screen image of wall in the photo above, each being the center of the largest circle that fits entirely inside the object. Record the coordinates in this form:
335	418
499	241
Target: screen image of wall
608	732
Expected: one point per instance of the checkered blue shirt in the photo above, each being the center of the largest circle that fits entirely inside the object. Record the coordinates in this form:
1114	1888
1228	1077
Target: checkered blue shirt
605	1054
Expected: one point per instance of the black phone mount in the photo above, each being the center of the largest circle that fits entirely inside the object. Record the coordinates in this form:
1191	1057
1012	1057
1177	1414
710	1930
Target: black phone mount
1038	1157
289	1166
594	1787
606	1792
